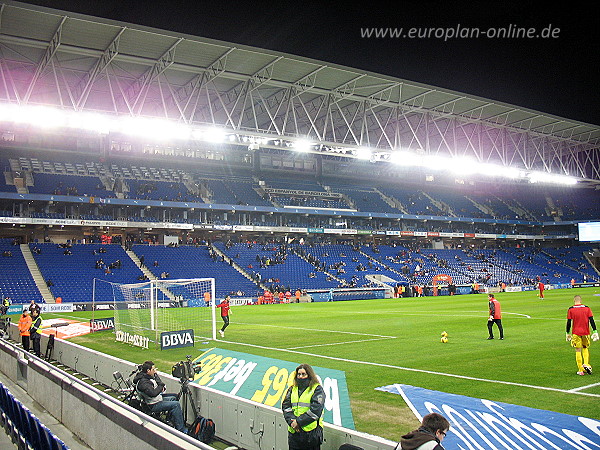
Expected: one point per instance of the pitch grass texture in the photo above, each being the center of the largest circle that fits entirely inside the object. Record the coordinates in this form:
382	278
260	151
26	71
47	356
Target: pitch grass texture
381	342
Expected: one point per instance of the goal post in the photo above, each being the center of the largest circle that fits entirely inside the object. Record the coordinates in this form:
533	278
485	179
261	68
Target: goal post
150	308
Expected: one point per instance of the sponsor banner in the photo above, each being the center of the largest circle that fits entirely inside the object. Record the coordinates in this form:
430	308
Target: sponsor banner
433	233
393	232
243	227
379	232
407	233
16	309
266	380
298	230
469	235
14	220
513	289
223	227
363	231
102	324
420	233
176	339
483	235
56	307
65	328
586	285
132	339
339	231
303	193
315	230
483	424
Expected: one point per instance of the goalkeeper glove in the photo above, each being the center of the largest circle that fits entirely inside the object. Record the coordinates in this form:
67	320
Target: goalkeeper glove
568	337
595	336
491	318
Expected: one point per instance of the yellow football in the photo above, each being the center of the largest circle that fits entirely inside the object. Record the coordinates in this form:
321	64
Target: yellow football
444	340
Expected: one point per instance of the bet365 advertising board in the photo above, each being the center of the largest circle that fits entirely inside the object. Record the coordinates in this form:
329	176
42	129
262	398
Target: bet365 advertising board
266	380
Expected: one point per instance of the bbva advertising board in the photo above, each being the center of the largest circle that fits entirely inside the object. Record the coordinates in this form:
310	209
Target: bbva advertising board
266	380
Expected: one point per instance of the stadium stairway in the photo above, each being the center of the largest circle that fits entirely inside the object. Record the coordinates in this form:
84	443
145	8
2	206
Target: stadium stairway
40	282
147	272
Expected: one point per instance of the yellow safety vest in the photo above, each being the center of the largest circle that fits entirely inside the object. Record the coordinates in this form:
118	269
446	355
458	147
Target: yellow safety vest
301	404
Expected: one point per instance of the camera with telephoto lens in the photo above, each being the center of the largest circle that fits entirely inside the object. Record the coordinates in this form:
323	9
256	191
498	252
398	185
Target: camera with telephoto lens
185	370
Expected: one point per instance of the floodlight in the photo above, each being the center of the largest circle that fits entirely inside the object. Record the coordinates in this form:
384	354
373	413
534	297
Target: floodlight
302	145
214	135
543	177
363	153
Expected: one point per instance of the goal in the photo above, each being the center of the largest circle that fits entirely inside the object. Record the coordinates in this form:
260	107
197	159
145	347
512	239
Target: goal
150	308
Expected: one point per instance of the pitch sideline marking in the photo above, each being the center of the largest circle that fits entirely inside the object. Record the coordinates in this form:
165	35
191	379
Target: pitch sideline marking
410	369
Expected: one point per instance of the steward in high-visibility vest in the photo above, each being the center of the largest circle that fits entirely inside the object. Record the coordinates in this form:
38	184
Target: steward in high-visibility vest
302	407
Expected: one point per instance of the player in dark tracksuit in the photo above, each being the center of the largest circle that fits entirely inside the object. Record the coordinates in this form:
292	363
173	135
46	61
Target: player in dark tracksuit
495	317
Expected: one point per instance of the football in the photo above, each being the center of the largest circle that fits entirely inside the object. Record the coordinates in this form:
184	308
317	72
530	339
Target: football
444	334
444	340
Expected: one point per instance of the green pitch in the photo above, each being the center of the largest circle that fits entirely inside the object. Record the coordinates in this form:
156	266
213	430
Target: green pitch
380	342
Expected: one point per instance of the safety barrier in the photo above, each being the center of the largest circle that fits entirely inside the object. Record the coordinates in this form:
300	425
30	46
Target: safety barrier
75	404
24	427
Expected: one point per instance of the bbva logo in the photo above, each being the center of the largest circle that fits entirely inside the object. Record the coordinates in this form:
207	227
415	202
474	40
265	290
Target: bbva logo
102	324
177	339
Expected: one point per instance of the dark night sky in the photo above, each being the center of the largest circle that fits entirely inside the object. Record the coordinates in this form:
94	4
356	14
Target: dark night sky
556	76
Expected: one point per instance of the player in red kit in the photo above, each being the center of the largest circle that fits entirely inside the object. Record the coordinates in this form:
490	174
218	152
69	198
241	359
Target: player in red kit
541	287
225	311
581	318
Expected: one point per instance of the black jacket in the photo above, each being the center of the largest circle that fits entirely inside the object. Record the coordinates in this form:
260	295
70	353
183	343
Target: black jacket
150	387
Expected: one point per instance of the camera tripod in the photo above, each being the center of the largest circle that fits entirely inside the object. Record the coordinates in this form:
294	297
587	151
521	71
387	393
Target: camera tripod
186	395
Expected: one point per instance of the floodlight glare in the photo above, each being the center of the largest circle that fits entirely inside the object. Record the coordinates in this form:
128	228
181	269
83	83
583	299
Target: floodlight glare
302	145
405	158
363	153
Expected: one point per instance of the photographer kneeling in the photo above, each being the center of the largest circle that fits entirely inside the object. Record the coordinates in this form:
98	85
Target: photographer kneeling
150	388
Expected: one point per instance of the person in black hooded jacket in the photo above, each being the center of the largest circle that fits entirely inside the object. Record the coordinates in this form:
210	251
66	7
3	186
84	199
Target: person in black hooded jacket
429	436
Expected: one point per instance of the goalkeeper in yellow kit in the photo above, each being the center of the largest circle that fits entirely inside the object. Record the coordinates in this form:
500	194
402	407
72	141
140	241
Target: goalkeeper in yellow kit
581	317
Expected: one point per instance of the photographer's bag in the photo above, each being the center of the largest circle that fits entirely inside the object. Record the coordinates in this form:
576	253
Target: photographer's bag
202	429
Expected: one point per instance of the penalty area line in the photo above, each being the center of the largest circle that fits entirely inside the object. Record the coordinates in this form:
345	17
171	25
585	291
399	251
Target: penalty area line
339	343
321	330
410	369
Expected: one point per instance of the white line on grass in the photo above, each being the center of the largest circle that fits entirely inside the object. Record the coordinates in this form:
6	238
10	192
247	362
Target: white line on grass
320	330
584	387
410	369
340	343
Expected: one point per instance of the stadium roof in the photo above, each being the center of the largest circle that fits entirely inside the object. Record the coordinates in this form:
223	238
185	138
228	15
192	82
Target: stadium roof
80	63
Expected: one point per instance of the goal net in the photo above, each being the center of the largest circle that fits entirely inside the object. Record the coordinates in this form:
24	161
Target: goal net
150	308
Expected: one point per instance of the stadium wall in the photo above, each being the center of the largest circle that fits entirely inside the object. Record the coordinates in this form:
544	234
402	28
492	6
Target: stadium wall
104	422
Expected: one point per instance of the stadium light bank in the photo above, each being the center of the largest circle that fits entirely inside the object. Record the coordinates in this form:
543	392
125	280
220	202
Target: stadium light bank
46	118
